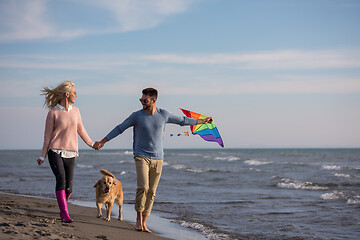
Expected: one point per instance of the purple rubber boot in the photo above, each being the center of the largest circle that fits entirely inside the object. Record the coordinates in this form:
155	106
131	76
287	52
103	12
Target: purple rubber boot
64	212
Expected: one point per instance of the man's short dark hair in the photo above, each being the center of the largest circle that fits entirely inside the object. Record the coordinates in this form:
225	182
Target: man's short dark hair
152	92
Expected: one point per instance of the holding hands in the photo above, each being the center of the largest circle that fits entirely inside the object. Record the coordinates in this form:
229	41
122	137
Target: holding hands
98	145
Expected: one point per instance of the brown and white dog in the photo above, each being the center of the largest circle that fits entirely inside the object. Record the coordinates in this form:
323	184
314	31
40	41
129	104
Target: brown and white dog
108	189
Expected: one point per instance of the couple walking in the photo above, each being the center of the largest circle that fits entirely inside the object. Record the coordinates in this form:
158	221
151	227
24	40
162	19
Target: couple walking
63	123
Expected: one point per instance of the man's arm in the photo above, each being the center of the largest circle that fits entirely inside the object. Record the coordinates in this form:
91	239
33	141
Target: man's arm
171	118
116	131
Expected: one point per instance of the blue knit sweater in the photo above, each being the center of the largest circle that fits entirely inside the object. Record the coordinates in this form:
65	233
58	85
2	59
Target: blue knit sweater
148	131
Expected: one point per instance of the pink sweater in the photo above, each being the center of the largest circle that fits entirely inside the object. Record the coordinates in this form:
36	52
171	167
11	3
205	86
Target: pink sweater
61	131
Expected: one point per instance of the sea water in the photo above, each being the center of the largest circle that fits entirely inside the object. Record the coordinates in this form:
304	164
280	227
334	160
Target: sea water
222	193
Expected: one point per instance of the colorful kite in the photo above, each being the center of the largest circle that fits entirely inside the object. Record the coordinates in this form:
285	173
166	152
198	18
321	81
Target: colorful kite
208	132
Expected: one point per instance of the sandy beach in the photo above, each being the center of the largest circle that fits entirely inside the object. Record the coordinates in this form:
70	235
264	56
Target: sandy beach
37	218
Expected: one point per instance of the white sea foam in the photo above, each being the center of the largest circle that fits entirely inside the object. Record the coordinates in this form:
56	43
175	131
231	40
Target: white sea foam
256	162
178	166
342	175
350	197
208	232
84	166
294	184
229	158
353	201
332	196
123	173
128	152
196	170
330	167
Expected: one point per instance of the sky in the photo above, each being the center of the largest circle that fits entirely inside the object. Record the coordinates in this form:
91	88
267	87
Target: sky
272	74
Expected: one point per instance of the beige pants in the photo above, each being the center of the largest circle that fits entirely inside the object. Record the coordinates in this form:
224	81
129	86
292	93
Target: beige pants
148	173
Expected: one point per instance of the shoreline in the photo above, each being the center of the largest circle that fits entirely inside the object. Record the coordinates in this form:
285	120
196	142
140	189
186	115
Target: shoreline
161	226
29	217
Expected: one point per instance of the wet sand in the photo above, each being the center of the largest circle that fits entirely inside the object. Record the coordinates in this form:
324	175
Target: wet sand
37	218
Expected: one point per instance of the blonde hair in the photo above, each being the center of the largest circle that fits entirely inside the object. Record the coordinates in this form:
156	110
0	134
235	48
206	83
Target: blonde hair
55	95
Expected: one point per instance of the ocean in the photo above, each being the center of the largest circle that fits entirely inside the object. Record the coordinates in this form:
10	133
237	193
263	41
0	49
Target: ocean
221	193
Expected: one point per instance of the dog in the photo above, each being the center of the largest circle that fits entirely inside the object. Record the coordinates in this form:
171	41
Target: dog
108	189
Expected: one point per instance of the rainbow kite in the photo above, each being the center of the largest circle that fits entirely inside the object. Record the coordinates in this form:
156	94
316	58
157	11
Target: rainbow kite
208	132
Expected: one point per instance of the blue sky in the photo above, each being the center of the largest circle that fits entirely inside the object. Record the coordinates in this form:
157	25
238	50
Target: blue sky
278	73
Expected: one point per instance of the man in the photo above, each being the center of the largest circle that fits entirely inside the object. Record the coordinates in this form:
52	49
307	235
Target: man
149	124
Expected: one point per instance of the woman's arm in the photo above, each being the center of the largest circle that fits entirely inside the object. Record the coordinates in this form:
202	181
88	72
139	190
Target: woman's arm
49	128
82	132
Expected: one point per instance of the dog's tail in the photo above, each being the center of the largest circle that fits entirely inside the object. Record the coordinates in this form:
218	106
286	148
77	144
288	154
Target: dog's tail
106	173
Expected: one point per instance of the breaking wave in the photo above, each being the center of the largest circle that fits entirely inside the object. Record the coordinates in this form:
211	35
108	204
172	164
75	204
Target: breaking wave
228	158
256	162
207	231
295	184
351	198
330	167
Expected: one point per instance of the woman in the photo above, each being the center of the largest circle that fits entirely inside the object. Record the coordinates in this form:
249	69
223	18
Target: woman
63	123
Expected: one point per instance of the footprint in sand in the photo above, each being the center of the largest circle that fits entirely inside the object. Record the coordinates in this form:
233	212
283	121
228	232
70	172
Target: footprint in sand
103	237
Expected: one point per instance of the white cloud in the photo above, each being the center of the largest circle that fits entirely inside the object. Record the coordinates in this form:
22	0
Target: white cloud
285	59
297	85
276	72
282	85
29	20
66	62
271	60
23	20
142	14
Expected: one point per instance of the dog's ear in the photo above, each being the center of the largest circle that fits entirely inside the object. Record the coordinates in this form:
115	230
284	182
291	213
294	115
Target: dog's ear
98	182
